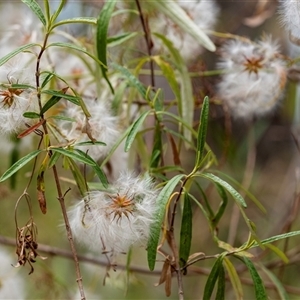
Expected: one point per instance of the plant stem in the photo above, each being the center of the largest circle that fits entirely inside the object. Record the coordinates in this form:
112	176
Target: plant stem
61	196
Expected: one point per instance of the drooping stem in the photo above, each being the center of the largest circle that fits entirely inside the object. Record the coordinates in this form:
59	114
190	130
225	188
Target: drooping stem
61	196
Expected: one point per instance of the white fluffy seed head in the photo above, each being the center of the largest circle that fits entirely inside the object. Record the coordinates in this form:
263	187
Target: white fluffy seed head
255	78
290	16
101	126
116	219
203	13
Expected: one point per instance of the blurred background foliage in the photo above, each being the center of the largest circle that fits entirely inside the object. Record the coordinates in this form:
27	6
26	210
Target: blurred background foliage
270	144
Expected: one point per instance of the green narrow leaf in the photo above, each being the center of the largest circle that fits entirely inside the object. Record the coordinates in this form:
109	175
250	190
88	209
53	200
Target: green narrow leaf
202	131
161	202
117	40
277	238
260	292
132	80
10	55
278	284
180	17
54	158
47	79
215	179
57	12
36	9
222	206
221	284
59	95
100	174
74	156
84	20
89	143
31	115
186	100
134	129
186	231
234	279
19	164
170	75
77	175
101	36
157	147
212	278
14	156
77	48
53	100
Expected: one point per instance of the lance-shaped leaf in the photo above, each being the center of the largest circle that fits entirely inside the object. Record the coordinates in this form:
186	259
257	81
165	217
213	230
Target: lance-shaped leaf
212	278
234	279
36	9
202	131
186	231
221	284
75	156
59	95
100	174
83	20
40	185
53	100
161	203
31	129
134	129
78	177
180	17
31	115
19	164
101	36
234	193
10	55
186	99
260	291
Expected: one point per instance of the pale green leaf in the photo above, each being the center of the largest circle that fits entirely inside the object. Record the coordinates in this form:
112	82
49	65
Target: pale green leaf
19	164
161	203
36	9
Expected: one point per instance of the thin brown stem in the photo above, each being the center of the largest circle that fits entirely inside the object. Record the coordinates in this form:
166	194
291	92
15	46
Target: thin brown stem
148	40
61	196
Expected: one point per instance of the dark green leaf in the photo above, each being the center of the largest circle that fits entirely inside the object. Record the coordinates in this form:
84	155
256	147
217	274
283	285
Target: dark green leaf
222	206
59	95
54	157
90	143
221	284
134	129
260	292
100	174
36	9
31	115
212	278
53	100
101	37
75	156
202	131
161	203
47	79
19	164
186	231
157	147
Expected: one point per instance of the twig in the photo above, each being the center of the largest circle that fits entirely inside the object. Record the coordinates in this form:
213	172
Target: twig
148	39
